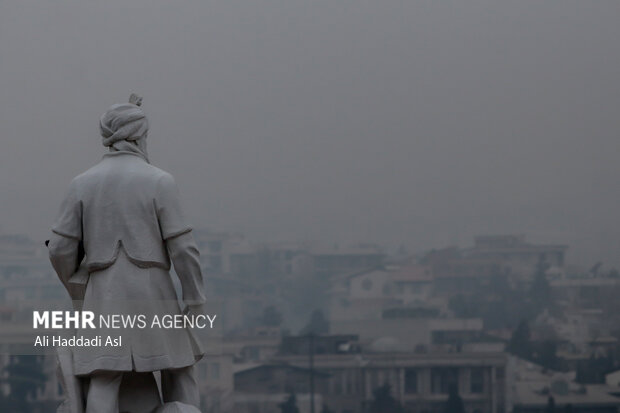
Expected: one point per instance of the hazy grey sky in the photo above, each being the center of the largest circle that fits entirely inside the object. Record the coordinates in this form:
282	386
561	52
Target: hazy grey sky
422	122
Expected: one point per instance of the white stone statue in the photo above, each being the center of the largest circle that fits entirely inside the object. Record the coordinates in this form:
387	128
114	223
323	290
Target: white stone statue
120	226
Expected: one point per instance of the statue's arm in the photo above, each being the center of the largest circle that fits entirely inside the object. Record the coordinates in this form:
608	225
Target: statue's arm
64	244
64	255
185	258
179	241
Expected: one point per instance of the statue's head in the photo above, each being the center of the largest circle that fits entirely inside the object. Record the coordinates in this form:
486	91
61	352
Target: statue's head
124	126
123	122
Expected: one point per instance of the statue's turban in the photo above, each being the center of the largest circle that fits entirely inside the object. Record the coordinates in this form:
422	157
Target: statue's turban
123	121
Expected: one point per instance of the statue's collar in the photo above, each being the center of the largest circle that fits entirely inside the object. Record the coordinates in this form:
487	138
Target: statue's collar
119	153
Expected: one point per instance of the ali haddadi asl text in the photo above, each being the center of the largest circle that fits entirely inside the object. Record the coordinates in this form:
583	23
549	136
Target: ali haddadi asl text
78	341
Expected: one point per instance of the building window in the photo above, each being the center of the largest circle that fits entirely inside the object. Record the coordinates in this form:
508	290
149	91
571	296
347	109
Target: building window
442	379
476	380
349	378
411	381
337	382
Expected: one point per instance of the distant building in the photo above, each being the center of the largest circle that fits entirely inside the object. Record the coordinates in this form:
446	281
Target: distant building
262	388
586	292
517	256
531	386
361	295
510	257
454	272
420	335
328	262
214	375
321	344
290	259
412	284
216	249
420	382
254	348
232	253
373	294
278	378
20	256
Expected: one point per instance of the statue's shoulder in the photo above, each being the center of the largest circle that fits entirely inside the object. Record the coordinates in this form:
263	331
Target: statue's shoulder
89	176
159	175
158	171
107	168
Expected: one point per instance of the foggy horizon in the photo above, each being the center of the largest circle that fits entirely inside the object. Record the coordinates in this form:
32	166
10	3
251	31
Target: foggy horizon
412	123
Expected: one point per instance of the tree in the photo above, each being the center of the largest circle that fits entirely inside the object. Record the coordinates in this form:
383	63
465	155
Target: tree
384	402
519	343
317	324
550	405
454	404
289	405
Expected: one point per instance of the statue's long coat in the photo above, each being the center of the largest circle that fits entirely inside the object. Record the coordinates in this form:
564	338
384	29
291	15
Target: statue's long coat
127	216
